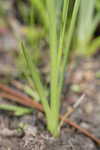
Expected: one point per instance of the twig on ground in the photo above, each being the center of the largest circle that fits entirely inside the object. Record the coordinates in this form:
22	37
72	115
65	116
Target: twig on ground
21	98
79	101
11	91
84	131
72	109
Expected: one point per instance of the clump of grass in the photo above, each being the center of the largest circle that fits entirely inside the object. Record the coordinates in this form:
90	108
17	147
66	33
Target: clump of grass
59	51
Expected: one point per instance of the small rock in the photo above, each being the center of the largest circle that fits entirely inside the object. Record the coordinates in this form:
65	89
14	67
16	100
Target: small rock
85	125
30	131
88	108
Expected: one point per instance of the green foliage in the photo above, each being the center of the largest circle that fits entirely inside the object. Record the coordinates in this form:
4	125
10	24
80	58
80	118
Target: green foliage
17	110
87	23
33	14
98	5
57	19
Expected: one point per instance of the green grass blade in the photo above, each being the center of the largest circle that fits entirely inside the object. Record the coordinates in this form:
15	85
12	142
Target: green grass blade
31	15
53	43
96	21
95	45
55	97
68	42
36	78
18	110
86	12
61	42
39	5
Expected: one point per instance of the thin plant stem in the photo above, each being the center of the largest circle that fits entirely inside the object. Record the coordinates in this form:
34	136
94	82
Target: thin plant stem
55	99
68	42
18	111
36	78
53	74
